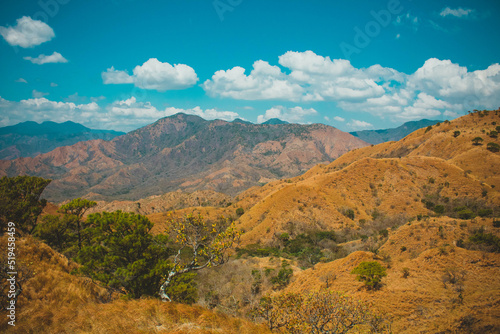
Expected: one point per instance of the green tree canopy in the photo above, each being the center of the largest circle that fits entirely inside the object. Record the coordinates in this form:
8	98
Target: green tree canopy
20	201
74	212
121	253
371	273
477	140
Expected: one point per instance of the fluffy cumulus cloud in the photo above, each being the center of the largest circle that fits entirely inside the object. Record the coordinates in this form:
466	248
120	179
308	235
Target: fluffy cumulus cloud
154	75
459	12
292	115
359	125
311	78
265	82
438	87
56	57
123	115
27	33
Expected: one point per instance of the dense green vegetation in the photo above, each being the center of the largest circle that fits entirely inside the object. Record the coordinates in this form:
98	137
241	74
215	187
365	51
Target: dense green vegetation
20	202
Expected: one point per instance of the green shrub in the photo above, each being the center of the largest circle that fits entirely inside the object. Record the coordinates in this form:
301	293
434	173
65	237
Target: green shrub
484	212
493	147
466	214
439	209
477	141
240	211
371	273
183	289
349	213
284	275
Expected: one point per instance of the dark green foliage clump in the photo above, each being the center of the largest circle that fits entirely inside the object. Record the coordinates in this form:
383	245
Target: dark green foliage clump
240	212
283	277
371	273
183	289
120	252
20	202
480	240
493	147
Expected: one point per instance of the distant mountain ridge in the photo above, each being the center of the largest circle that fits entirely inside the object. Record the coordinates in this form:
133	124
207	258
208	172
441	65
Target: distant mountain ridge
29	139
275	121
384	135
184	152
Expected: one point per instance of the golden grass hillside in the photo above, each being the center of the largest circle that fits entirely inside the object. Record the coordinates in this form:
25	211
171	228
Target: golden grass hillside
54	301
389	178
390	186
423	302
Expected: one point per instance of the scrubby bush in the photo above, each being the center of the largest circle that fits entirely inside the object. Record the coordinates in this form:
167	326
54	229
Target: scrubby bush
370	273
240	211
319	312
284	275
493	147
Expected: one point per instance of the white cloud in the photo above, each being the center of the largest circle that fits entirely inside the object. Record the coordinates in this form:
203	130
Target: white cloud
339	119
112	76
21	80
398	36
312	78
37	94
154	75
56	57
436	87
292	115
459	12
355	124
27	33
265	82
53	84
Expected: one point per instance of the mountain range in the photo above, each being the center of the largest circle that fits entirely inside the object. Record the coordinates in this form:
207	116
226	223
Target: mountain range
384	135
184	152
29	139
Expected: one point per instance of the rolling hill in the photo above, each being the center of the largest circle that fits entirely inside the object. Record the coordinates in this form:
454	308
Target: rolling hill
430	165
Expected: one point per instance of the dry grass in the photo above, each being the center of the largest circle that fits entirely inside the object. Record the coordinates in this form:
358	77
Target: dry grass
421	302
53	301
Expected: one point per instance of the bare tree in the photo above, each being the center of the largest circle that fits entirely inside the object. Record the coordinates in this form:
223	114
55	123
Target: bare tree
201	244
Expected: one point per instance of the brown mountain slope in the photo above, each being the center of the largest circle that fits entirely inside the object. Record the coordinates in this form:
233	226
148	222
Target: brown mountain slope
389	178
422	302
440	142
184	152
389	186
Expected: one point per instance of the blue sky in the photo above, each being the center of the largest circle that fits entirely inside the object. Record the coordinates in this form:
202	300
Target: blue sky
122	64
